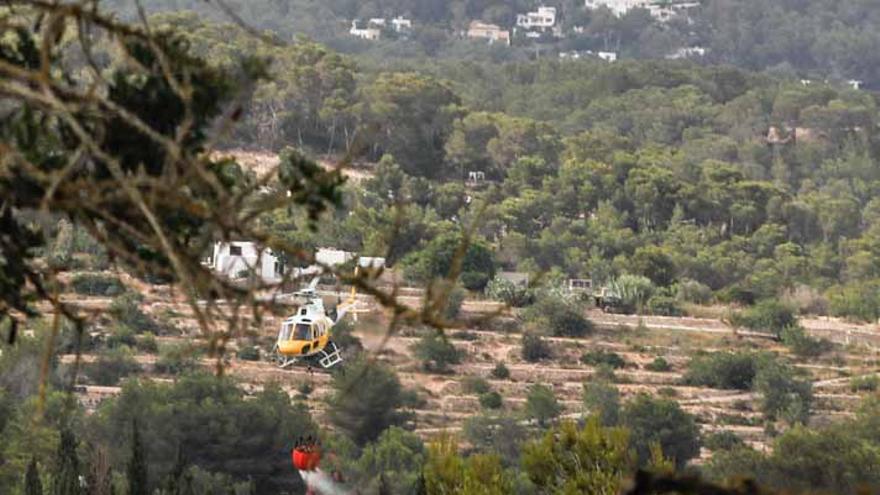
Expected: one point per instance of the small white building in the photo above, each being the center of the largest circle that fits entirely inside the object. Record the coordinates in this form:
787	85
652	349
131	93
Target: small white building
401	24
371	262
544	18
659	9
687	52
491	32
332	257
855	84
368	33
242	259
607	56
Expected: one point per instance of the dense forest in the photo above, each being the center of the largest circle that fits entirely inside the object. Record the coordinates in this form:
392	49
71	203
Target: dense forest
704	179
682	183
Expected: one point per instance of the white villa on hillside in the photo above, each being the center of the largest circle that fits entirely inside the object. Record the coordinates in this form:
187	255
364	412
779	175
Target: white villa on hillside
544	18
242	259
491	32
372	30
660	10
364	32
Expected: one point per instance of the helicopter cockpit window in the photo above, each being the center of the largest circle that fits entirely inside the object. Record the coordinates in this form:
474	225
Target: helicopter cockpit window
303	331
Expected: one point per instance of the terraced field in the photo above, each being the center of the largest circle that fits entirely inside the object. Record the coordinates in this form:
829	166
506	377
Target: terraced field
446	403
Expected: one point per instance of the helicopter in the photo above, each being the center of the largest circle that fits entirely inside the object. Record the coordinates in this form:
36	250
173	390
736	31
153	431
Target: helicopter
305	335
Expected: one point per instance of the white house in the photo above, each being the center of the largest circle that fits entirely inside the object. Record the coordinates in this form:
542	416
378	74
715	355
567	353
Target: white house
401	24
687	52
241	259
491	32
855	84
332	257
369	33
607	56
660	10
371	262
544	18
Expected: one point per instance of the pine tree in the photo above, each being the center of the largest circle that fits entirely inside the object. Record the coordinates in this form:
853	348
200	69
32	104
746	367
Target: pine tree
137	466
32	485
383	488
67	476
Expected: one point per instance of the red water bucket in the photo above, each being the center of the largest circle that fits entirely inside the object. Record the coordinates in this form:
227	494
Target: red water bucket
306	461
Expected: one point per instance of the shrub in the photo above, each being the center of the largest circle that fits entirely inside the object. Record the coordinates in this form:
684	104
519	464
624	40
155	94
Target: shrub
121	335
783	396
475	385
491	400
560	317
90	284
509	293
693	292
634	291
249	353
864	383
534	348
664	306
436	260
667	392
803	345
601	357
112	366
305	388
125	308
722	370
663	422
147	343
768	315
541	404
454	300
175	359
500	371
859	302
436	352
603	399
658	365
411	399
723	440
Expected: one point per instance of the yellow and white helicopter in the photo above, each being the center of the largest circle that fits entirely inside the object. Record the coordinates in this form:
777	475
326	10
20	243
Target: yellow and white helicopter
306	335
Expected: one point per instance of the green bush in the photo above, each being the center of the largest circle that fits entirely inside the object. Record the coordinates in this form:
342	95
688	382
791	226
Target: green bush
90	284
601	357
125	308
766	316
558	317
509	293
147	343
121	335
436	259
112	366
454	300
436	352
603	399
534	348
858	302
176	359
864	383
541	404
658	365
724	370
661	421
693	292
491	400
723	440
475	385
500	371
782	395
249	353
802	345
664	306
